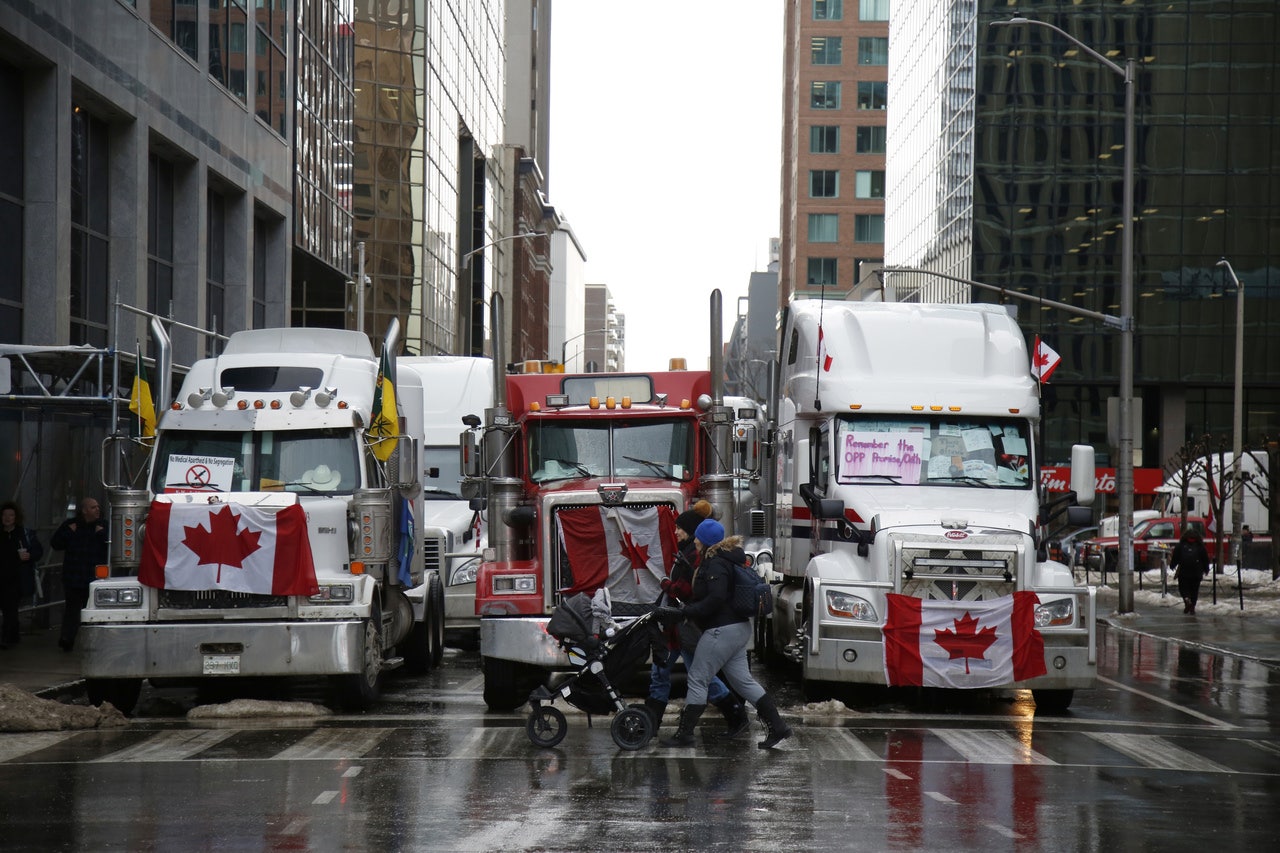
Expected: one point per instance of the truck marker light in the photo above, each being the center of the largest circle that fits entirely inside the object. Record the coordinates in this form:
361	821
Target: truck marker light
675	364
242	404
101	572
357	567
626	402
594	402
935	408
275	404
535	406
953	408
917	408
855	406
258	404
686	405
177	407
610	403
1014	411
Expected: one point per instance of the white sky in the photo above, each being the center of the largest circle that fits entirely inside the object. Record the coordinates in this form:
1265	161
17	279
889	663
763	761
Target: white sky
666	125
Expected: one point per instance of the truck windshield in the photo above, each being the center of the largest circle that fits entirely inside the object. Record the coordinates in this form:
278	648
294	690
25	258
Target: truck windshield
594	448
312	461
934	450
441	473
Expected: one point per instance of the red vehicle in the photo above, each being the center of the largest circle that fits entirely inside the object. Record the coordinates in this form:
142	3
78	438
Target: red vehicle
1164	531
582	477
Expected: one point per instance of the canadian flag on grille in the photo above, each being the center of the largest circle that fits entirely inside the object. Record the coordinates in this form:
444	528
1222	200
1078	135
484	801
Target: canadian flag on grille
964	644
626	549
229	547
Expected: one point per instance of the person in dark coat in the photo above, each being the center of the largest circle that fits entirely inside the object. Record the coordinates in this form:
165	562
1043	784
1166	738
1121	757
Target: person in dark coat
682	638
1190	563
84	541
19	552
725	637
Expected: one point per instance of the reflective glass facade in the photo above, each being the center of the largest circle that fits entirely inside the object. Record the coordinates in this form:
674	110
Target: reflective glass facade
1006	166
428	117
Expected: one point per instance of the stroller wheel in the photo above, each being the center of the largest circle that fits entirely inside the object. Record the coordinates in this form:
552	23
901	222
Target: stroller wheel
546	726
632	728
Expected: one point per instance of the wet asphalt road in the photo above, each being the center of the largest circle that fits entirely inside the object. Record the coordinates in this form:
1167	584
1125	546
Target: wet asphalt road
1176	749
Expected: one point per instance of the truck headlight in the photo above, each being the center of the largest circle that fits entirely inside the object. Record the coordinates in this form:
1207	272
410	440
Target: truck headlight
1060	612
847	606
465	573
515	583
117	596
334	593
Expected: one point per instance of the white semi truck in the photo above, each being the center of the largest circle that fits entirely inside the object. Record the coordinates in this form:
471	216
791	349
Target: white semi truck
454	529
906	464
274	529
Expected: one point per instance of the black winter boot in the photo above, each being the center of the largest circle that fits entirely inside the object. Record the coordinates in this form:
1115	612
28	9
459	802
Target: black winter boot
656	708
736	721
777	729
684	735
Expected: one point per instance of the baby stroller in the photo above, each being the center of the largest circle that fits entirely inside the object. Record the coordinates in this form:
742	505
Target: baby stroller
607	646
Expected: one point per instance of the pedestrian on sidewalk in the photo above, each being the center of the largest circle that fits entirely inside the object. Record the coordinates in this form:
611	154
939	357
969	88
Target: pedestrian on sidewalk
1190	564
20	550
725	636
84	539
1246	543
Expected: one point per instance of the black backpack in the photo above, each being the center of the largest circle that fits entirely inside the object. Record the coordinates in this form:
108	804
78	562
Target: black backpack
752	597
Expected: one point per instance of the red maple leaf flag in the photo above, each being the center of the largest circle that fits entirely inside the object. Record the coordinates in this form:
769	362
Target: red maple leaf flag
199	546
626	549
1043	360
962	644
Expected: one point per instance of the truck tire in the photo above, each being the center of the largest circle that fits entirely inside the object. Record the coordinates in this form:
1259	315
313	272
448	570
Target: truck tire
507	684
120	692
435	602
359	691
424	647
1053	701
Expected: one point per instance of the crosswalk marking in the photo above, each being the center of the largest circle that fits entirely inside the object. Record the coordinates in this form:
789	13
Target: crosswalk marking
980	747
169	746
838	745
333	744
1154	751
16	746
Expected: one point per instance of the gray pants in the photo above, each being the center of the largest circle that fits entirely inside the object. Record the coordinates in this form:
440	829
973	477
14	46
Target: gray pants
723	650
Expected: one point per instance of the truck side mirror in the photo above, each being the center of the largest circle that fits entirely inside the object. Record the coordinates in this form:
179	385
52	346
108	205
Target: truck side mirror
408	479
746	443
1082	473
469	455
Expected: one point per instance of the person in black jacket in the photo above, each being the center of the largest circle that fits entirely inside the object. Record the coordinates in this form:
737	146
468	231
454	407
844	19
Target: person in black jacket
19	552
682	638
1190	563
84	539
725	636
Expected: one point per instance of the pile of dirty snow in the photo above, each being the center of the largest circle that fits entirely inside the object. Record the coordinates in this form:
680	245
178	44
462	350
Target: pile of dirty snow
21	711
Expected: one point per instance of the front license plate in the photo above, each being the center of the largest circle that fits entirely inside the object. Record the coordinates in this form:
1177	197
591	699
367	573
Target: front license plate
222	664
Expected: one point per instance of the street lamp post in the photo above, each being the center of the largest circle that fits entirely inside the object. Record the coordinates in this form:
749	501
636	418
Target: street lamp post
475	324
466	258
1124	465
1237	419
564	347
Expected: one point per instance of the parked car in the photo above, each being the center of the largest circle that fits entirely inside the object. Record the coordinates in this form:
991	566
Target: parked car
1070	548
1163	531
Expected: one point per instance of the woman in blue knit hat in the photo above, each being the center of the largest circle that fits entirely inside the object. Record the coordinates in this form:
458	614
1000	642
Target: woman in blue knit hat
725	636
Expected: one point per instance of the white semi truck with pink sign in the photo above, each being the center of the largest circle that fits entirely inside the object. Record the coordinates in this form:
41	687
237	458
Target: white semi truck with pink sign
274	527
906	467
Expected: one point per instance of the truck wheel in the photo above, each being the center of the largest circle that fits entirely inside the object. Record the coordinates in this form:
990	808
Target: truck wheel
359	691
507	684
120	692
424	648
1053	701
435	605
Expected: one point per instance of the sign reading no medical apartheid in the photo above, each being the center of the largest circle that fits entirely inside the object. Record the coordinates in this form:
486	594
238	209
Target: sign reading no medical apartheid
198	474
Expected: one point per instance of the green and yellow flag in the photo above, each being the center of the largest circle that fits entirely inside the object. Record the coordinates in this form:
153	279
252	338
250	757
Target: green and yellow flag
385	425
140	402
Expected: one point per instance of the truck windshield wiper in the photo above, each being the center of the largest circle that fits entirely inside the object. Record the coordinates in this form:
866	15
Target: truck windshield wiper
437	493
977	481
888	478
658	467
582	470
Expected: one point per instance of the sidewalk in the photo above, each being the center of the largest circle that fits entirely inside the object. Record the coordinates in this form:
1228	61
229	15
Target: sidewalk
38	666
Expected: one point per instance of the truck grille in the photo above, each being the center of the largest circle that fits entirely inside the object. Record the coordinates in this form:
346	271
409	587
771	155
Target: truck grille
433	549
936	568
216	599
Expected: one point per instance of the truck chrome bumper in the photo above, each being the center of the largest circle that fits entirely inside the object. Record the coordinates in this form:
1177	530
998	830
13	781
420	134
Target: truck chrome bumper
523	639
192	650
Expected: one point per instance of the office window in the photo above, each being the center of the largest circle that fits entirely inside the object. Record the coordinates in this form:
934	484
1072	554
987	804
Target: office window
869	184
824	183
177	20
227	61
871	140
11	204
822	227
873	51
159	236
828	10
873	10
826	50
824	95
215	294
822	271
872	95
868	228
89	216
824	139
261	233
270	71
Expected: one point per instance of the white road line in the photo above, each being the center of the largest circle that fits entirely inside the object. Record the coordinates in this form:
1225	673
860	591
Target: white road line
1265	746
15	746
849	748
168	746
1174	705
1156	752
980	747
295	826
325	798
1003	830
939	796
896	773
538	823
333	744
352	772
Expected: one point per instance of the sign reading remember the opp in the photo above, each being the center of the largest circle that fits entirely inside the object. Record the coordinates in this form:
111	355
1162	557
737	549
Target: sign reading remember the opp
199	474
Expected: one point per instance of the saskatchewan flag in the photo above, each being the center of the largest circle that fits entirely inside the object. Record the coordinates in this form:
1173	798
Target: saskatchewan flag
140	402
385	425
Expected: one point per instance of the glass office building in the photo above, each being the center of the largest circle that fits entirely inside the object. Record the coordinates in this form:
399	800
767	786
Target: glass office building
1006	166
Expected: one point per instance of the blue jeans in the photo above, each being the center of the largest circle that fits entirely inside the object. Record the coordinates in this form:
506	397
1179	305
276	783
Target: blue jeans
660	680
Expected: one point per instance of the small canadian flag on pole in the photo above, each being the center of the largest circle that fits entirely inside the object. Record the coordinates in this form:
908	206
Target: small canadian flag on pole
1043	360
824	357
